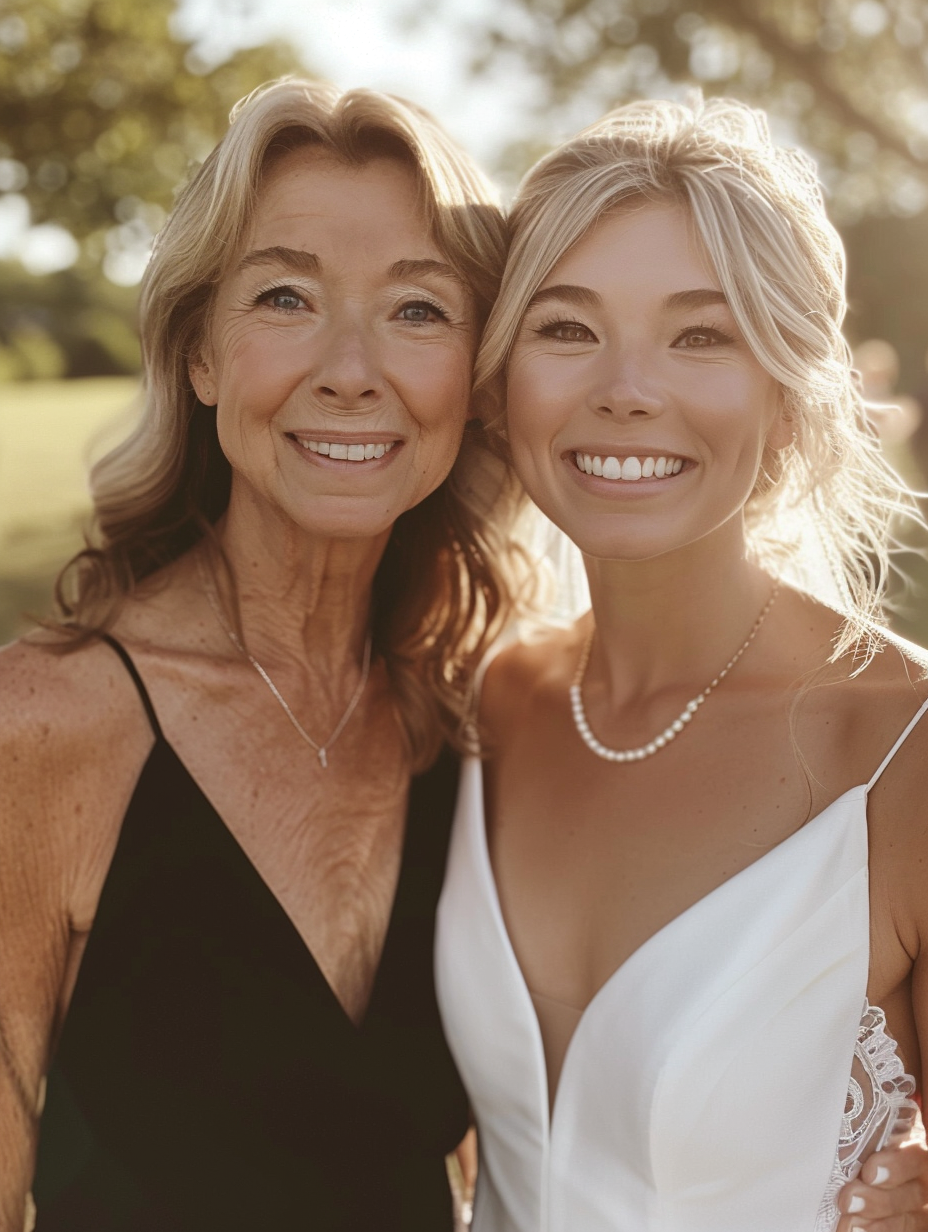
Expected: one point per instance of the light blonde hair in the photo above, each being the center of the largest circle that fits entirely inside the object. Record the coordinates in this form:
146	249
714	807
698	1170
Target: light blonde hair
441	590
759	212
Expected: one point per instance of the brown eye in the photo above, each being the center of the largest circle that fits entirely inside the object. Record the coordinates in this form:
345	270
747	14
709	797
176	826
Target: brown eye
566	331
700	338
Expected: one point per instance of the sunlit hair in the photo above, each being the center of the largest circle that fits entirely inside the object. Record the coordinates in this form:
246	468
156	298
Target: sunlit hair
759	212
441	590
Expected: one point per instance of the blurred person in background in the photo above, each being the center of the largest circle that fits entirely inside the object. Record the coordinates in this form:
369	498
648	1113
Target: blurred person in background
226	776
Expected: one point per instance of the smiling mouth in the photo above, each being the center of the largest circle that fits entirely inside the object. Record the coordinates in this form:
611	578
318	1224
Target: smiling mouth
629	469
341	451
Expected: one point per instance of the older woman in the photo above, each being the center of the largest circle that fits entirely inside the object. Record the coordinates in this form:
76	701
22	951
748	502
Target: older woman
217	877
681	941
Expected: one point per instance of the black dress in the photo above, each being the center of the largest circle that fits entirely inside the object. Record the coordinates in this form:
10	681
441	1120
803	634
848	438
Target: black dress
207	1077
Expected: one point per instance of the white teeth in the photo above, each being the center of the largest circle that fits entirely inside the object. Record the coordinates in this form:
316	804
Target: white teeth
628	469
348	453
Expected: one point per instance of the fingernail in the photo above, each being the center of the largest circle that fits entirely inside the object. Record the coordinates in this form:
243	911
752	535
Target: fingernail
856	1205
882	1175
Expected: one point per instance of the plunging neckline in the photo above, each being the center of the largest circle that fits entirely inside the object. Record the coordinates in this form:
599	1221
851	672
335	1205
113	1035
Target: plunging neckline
252	874
638	955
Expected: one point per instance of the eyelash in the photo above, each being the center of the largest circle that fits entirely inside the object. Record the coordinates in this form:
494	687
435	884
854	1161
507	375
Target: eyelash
263	297
268	294
547	329
424	302
718	336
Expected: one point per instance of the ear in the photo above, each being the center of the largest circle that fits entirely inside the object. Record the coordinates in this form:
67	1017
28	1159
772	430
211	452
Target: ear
202	378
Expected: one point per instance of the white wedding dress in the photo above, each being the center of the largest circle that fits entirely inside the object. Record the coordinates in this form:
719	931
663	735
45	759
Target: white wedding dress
734	1093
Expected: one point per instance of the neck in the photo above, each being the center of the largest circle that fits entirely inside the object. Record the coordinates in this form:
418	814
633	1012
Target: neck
674	620
301	596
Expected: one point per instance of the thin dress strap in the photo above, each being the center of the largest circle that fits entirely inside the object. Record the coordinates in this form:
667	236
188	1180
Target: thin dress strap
898	745
137	681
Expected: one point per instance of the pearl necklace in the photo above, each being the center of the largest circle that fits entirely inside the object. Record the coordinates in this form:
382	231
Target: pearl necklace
321	750
669	733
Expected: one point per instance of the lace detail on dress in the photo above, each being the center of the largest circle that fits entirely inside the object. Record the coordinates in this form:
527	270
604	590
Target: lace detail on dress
878	1108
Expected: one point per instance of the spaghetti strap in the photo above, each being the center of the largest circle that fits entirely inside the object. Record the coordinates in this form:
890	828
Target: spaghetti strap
923	708
137	681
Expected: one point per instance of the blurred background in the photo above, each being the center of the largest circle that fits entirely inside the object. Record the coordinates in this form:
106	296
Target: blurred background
105	105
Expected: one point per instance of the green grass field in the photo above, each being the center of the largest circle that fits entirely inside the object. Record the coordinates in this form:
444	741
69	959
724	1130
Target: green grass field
50	432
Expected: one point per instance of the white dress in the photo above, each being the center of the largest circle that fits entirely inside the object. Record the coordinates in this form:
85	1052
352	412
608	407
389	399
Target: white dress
697	1094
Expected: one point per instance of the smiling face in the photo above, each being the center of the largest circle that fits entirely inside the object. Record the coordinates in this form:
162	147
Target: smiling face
637	414
339	349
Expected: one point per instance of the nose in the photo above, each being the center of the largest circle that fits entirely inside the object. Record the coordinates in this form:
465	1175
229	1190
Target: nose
626	385
346	373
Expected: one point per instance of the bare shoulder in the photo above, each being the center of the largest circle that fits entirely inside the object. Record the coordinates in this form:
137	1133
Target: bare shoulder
52	699
72	733
526	673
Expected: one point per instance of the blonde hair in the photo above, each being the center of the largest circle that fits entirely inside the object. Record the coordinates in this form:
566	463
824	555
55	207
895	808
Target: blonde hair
759	212
441	589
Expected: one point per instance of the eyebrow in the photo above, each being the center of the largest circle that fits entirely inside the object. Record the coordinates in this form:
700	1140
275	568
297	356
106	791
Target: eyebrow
701	298
295	258
583	297
417	268
308	263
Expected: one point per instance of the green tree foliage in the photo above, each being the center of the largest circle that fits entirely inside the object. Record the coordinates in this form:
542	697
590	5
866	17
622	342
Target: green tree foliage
102	110
102	113
848	77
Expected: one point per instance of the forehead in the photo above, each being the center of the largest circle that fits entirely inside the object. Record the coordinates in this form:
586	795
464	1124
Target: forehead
641	245
311	199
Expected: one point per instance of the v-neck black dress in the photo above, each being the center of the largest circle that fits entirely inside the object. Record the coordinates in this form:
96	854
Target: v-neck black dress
208	1079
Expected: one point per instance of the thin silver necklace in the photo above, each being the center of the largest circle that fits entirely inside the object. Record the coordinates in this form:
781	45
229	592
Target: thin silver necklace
321	750
678	725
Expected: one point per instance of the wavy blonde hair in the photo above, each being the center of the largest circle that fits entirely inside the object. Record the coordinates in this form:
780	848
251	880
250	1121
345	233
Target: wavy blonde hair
759	212
442	589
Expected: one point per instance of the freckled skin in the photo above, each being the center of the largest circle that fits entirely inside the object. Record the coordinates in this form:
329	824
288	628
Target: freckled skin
355	348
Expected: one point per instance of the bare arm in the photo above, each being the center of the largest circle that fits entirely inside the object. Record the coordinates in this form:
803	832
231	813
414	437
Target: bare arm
69	740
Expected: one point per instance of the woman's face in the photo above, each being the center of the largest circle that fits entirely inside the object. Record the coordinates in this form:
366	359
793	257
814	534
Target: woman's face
339	349
629	364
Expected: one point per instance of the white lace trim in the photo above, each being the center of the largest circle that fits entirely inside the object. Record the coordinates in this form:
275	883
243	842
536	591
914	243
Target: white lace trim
878	1108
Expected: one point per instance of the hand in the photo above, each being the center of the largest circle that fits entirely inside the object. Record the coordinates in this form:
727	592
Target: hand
893	1187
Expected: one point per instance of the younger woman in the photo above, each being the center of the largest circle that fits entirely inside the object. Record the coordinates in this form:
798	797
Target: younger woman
679	943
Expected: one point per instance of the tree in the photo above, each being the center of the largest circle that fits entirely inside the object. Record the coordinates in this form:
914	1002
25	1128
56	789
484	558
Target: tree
848	77
102	114
102	110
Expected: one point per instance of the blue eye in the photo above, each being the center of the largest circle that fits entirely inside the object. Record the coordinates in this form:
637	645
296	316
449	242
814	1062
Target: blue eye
284	299
421	311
